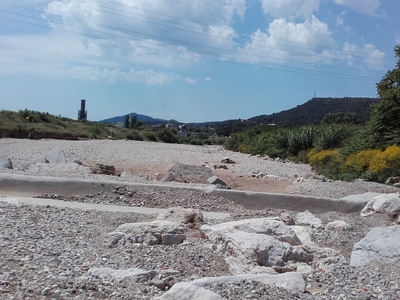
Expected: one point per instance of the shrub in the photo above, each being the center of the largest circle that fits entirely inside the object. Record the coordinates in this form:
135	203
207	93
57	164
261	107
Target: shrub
134	135
386	163
359	162
326	162
151	136
167	136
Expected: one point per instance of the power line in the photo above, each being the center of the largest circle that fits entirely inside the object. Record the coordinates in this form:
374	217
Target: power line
209	55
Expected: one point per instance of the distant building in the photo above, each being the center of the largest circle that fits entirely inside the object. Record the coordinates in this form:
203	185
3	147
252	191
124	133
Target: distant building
82	113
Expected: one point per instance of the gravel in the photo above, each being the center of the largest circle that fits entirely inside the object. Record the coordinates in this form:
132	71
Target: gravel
46	252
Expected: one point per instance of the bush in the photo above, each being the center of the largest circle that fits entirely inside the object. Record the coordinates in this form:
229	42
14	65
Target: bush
151	136
386	163
167	136
134	135
359	162
326	162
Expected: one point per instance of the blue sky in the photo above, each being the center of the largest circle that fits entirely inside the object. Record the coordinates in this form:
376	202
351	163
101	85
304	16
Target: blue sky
191	60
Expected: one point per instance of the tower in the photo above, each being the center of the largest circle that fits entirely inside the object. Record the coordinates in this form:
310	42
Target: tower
82	113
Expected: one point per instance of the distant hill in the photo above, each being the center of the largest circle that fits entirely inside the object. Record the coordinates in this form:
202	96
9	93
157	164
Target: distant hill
314	111
141	118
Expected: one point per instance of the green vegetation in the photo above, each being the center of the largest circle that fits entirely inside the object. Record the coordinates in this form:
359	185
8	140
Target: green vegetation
343	145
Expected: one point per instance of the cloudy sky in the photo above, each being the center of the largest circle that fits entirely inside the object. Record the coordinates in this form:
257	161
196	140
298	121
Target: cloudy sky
191	60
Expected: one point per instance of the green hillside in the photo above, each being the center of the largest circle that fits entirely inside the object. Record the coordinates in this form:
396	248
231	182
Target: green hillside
315	110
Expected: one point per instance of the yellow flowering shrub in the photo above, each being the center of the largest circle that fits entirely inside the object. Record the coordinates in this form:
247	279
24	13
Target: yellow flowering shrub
360	162
323	158
386	162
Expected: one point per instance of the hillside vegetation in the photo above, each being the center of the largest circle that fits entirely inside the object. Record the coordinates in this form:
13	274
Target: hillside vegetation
343	146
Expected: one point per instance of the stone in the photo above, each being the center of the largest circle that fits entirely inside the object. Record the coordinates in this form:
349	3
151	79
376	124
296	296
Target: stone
307	218
136	275
158	283
188	291
188	217
249	244
338	225
289	281
227	160
55	157
381	245
383	203
112	239
147	233
219	182
187	173
5	162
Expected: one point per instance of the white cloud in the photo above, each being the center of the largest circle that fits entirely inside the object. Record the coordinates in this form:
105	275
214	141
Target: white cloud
207	78
288	9
148	77
368	55
190	80
368	7
340	18
288	41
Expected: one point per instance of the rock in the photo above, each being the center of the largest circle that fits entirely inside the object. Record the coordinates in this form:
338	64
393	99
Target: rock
338	225
289	281
55	157
307	218
188	173
248	244
227	160
103	169
5	162
148	233
112	239
225	167
393	180
197	289
188	291
188	217
381	245
287	218
219	182
158	283
384	203
136	275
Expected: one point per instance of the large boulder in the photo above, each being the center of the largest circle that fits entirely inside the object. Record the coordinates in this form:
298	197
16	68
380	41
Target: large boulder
384	203
250	244
187	173
148	233
5	162
381	245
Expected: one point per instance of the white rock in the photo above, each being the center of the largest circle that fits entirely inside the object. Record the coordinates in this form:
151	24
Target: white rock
384	203
337	225
188	291
307	218
380	245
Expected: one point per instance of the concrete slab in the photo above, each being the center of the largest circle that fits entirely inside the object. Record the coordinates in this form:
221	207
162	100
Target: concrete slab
88	206
17	185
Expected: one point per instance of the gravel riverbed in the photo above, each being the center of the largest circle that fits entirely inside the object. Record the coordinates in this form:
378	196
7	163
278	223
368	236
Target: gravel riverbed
46	252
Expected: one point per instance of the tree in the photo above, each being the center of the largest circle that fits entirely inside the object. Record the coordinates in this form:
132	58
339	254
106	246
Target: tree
384	123
126	122
134	122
